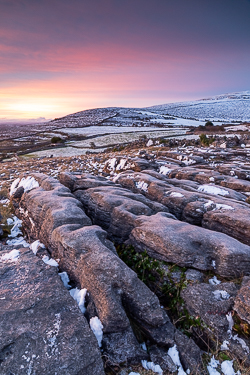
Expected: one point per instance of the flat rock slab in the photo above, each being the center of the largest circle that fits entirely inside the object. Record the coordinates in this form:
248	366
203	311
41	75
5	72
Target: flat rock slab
204	176
189	246
42	329
76	181
210	211
47	207
115	209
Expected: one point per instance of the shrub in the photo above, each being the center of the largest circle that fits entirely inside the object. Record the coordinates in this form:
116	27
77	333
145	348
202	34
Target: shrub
206	141
209	123
57	140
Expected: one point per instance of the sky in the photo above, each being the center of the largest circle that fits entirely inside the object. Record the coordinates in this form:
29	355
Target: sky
62	56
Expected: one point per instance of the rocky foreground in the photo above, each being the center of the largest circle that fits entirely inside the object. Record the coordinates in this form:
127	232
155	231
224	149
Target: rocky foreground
154	248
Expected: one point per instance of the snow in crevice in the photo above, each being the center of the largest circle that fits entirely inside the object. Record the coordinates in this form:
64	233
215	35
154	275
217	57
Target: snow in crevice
36	245
50	261
224	345
65	279
212	366
97	327
241	342
151	366
214	281
15	235
230	324
174	355
79	296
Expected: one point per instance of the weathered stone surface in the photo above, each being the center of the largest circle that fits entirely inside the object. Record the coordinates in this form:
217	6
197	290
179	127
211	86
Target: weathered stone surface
1	229
42	329
161	357
74	181
190	354
85	254
233	169
115	209
235	184
210	211
205	176
18	193
201	301
242	301
194	276
117	344
235	223
189	246
47	207
91	262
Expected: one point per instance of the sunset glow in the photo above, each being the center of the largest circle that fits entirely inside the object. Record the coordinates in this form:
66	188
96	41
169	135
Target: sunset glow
59	57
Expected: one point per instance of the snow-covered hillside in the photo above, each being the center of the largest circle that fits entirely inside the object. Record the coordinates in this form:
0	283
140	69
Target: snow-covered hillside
228	107
222	108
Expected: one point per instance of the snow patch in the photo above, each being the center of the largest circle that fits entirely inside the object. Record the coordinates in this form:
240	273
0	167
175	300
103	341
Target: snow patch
213	364
214	281
27	183
79	296
219	206
224	345
165	170
231	324
227	368
112	163
241	342
221	295
13	256
18	241
36	245
211	189
121	164
65	279
97	327
176	195
174	355
149	143
50	262
151	366
15	230
4	201
209	204
142	185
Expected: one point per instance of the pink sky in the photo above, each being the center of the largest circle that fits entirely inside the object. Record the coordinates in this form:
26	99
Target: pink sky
59	57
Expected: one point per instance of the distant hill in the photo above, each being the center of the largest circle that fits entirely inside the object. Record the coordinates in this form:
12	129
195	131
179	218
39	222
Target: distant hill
227	107
222	108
